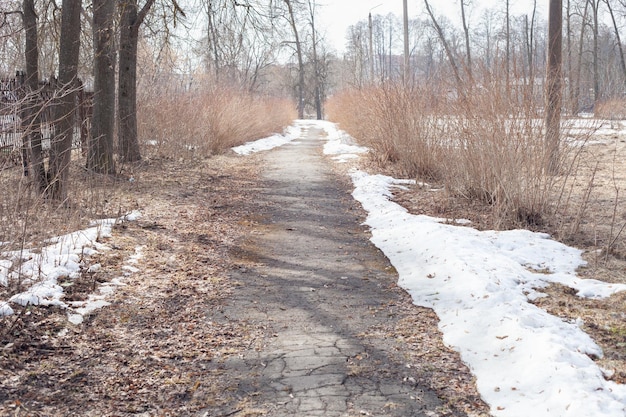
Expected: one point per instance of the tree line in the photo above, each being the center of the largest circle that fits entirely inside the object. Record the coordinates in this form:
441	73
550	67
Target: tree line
98	41
494	44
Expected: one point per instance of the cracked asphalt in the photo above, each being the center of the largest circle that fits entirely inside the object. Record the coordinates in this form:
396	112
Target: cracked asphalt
326	297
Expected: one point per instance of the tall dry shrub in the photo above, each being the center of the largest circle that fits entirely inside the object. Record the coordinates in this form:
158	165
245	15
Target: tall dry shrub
397	123
499	157
486	146
612	109
209	121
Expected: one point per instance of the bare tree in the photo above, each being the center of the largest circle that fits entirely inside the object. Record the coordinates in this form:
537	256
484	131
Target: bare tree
293	23
356	57
468	50
508	48
100	153
529	30
240	41
595	9
447	49
32	101
317	93
61	146
577	79
553	85
131	19
619	44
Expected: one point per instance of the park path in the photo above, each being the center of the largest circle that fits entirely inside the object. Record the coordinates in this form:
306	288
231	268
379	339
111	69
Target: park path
326	296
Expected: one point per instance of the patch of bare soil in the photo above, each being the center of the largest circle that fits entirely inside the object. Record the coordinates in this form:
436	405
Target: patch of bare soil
597	225
161	347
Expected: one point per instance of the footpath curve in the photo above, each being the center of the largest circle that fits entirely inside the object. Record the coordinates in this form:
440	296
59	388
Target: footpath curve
327	298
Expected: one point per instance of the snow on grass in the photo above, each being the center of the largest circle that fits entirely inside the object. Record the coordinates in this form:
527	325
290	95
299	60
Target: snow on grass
480	284
291	133
39	270
527	362
340	145
97	300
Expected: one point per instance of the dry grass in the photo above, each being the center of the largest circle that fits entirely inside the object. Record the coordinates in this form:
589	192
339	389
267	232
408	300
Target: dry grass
204	123
613	109
27	219
181	127
485	148
397	124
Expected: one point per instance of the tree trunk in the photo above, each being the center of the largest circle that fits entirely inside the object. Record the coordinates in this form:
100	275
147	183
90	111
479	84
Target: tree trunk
131	20
448	51
407	57
619	46
570	71
212	40
553	86
595	4
316	70
32	102
468	50
508	50
100	153
65	109
575	99
300	96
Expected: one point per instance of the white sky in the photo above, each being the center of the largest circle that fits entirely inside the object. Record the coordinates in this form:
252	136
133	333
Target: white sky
335	16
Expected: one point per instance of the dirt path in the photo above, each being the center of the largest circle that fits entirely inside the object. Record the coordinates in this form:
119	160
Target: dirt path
328	296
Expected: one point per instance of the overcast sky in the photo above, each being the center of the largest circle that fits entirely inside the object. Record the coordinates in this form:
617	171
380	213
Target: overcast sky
335	16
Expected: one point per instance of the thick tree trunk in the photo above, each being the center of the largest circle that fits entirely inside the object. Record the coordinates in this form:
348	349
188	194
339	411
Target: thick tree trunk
100	153
127	94
65	109
553	86
131	20
32	103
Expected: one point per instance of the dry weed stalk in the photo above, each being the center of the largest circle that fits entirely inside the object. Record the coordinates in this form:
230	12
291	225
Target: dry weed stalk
613	237
487	146
205	123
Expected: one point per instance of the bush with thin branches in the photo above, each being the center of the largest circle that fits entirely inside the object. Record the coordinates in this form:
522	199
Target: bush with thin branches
486	146
208	122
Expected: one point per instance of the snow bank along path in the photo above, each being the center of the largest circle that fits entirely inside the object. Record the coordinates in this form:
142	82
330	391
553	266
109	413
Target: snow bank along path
526	361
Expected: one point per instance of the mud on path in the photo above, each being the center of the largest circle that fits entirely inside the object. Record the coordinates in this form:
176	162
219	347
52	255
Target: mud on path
258	293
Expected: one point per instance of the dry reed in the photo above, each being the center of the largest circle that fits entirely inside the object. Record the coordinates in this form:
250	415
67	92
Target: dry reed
203	123
486	146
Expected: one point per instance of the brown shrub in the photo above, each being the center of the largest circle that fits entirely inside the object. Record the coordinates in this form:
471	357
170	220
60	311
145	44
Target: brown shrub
613	109
209	122
484	147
